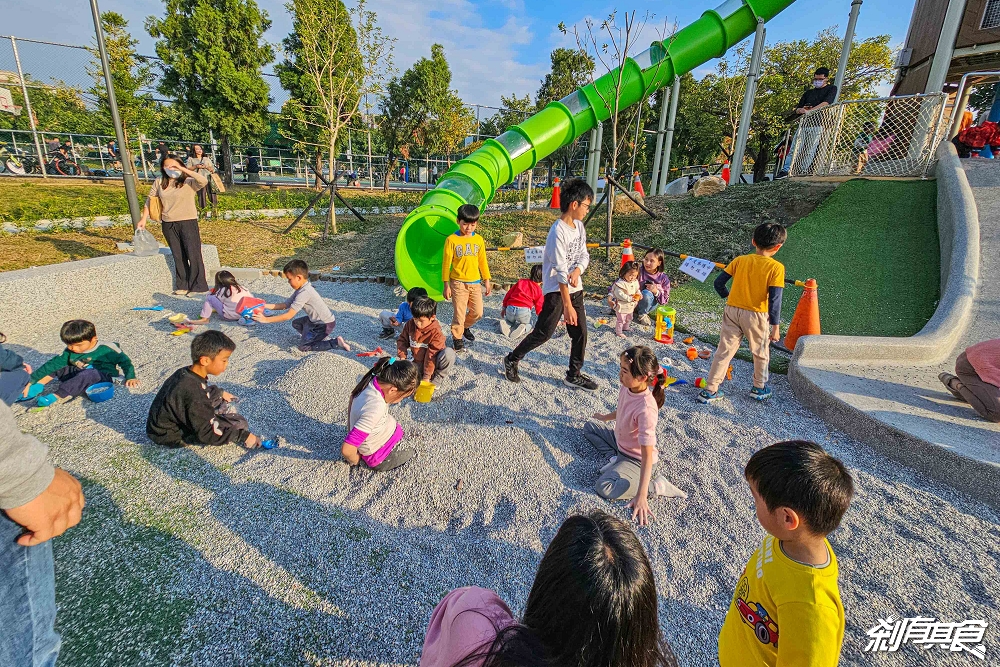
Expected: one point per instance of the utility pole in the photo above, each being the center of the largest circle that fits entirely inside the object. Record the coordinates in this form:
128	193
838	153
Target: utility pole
747	112
127	174
27	106
845	52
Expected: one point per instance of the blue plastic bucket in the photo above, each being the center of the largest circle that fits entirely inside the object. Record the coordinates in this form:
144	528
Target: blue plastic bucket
100	392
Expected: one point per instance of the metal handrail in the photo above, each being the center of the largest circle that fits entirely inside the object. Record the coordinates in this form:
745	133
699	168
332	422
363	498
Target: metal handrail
962	100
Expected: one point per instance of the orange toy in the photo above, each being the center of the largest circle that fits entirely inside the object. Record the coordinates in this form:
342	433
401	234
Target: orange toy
805	321
705	353
692	353
729	372
689	340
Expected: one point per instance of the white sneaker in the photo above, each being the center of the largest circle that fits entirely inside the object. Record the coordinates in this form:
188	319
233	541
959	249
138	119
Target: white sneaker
662	487
519	331
505	327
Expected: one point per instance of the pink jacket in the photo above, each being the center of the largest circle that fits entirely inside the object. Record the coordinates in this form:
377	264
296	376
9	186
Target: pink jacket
985	358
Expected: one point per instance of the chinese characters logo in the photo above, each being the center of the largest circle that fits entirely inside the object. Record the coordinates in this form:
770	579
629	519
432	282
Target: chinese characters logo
890	633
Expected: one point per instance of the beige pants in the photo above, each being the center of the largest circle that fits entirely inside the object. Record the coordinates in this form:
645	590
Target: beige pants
737	323
467	298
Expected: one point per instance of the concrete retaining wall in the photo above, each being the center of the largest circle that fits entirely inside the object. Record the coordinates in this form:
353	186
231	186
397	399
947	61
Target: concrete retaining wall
958	234
47	296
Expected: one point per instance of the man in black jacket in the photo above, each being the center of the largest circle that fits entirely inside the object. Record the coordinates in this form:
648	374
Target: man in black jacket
821	94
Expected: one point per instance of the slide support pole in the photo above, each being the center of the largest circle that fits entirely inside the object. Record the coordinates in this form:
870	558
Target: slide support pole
746	113
675	93
654	180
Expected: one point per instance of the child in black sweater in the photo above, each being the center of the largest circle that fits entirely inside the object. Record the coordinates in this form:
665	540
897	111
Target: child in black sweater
187	410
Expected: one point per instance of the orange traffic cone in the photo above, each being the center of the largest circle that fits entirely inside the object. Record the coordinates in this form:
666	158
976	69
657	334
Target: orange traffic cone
637	185
805	321
627	254
554	203
725	173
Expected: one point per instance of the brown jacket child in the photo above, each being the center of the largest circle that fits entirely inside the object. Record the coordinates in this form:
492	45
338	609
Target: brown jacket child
422	336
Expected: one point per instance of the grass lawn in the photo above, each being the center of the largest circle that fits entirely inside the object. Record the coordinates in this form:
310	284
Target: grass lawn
873	248
30	199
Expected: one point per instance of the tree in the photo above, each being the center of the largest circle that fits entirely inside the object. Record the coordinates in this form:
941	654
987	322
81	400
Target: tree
212	53
571	68
339	56
513	110
131	76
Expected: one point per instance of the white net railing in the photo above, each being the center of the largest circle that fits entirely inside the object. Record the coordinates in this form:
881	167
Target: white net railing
892	136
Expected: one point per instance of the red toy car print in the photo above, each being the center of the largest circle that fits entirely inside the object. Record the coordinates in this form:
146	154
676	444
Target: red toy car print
758	619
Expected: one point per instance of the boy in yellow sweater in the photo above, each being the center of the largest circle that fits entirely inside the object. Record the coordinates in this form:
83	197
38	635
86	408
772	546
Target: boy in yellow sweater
787	610
463	271
753	309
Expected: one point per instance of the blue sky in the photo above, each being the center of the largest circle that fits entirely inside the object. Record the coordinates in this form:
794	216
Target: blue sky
494	47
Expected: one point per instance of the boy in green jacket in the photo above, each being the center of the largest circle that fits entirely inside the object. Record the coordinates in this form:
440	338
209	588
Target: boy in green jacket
83	363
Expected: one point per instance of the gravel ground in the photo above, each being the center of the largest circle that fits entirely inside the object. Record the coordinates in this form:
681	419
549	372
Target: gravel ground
223	557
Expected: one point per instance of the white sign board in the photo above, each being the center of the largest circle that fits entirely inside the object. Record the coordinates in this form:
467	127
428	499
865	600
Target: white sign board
534	255
7	103
698	269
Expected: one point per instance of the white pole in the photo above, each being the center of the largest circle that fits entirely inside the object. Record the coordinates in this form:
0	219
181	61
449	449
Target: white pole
592	141
845	52
597	155
27	106
945	47
747	112
675	94
654	180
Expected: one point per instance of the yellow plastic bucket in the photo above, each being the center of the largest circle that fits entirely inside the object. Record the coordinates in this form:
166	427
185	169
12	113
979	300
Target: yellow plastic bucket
424	392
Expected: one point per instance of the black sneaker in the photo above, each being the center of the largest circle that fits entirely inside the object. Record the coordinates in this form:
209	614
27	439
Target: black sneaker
387	332
580	381
468	335
509	370
458	344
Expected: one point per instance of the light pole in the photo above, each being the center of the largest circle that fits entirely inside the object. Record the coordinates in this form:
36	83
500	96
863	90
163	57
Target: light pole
127	174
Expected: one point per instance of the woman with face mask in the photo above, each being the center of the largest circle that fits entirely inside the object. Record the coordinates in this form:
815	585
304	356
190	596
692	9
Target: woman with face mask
177	188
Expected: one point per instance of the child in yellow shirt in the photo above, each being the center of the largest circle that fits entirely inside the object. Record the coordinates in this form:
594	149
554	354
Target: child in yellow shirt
787	610
753	309
463	271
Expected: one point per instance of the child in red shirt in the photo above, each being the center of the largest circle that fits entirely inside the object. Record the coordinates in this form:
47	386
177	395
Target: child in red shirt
524	295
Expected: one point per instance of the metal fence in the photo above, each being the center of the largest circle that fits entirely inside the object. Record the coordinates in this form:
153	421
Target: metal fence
891	136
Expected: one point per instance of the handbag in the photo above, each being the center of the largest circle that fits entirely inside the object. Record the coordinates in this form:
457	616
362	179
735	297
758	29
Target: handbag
217	183
155	208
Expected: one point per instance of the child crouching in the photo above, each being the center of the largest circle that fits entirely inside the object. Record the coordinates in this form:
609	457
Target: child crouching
423	338
518	302
318	322
373	435
188	410
391	322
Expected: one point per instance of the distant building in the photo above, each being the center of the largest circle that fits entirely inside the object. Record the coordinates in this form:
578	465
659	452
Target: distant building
977	47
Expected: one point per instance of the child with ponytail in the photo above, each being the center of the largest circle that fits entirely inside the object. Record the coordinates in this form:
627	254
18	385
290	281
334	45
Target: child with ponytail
373	435
632	441
223	298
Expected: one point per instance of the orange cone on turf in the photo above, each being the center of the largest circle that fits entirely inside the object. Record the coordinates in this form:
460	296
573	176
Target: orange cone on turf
555	194
805	321
637	185
725	173
627	254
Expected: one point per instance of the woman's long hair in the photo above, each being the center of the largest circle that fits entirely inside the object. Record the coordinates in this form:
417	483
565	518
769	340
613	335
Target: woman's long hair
593	604
166	180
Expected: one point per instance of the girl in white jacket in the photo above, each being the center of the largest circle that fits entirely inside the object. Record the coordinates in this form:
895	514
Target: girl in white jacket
625	294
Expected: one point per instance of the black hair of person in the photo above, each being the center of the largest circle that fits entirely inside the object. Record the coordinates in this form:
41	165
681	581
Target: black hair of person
399	373
209	344
574	190
226	284
768	235
644	364
77	331
296	267
536	273
423	306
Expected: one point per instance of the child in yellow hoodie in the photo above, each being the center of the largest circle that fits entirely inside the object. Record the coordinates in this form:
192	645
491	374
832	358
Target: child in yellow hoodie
464	271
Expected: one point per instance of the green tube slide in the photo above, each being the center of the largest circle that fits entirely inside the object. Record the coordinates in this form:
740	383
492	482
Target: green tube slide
476	178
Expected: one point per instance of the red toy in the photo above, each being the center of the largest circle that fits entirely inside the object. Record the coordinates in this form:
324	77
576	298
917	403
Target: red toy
377	352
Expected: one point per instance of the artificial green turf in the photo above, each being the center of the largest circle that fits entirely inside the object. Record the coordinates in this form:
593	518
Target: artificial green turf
873	248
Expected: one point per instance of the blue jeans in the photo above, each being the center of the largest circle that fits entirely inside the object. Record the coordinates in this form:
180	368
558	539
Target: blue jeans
646	304
27	601
518	315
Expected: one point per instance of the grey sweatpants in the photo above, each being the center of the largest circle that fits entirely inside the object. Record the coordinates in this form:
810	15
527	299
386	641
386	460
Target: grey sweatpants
621	480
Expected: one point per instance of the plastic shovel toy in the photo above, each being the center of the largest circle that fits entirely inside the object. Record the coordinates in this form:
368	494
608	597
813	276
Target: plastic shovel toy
148	308
378	351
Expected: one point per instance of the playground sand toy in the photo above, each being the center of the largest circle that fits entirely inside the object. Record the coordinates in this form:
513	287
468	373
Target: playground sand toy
247	550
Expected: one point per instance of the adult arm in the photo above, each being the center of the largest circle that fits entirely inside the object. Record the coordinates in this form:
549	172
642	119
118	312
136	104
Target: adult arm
24	471
10	360
200	181
720	284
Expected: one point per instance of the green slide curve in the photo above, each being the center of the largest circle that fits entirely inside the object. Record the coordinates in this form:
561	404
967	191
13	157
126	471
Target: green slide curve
475	179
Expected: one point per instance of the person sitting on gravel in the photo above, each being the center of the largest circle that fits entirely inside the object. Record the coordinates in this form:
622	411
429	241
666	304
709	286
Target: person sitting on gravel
317	323
188	410
83	363
978	379
391	322
593	602
223	299
522	296
464	271
373	436
753	309
655	286
631	444
423	339
565	259
789	585
15	375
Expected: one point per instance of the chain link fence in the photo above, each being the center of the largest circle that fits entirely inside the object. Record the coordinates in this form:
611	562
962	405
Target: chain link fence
892	136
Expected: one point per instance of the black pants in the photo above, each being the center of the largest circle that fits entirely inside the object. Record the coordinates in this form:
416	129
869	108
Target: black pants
184	240
552	310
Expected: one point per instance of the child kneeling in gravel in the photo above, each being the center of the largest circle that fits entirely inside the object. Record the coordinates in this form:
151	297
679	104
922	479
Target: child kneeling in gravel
83	363
523	295
317	323
391	322
188	410
423	338
373	436
632	442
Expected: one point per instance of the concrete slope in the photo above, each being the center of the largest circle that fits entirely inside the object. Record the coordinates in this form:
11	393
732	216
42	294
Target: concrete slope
886	390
